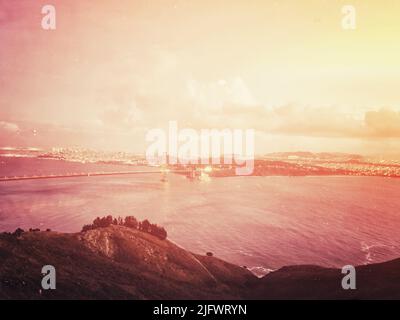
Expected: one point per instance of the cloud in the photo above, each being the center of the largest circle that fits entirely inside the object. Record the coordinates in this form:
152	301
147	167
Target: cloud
8	127
315	121
383	123
122	117
294	120
230	103
329	122
216	94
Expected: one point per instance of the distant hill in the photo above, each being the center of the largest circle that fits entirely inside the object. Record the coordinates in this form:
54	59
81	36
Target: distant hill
318	155
117	262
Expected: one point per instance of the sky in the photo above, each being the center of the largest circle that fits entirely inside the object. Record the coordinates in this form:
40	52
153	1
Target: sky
111	71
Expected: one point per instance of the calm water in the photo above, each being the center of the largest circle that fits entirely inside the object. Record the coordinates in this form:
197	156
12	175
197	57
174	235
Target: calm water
261	222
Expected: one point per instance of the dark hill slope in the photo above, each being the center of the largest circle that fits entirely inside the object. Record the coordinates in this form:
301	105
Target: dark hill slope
373	281
113	263
121	263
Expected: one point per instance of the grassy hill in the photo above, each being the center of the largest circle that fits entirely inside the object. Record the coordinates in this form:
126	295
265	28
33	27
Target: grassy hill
113	263
117	262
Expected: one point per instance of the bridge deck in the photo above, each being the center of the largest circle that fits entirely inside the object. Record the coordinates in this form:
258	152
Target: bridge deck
88	174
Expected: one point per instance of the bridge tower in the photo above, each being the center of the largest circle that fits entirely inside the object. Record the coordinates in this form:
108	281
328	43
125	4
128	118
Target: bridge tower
164	172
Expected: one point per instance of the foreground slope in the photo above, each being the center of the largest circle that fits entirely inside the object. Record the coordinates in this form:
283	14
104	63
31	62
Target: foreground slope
122	263
113	263
374	281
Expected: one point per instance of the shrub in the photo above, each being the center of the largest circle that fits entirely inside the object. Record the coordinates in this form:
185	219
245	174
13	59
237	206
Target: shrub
87	227
157	231
102	222
18	232
145	226
131	222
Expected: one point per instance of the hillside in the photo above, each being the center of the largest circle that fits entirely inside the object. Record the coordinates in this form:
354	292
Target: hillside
374	281
113	263
117	262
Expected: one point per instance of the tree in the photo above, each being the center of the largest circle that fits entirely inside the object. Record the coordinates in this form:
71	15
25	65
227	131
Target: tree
131	222
87	227
157	231
145	225
18	232
120	221
108	221
102	222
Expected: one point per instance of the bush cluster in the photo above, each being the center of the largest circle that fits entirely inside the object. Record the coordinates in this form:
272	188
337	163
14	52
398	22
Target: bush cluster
129	222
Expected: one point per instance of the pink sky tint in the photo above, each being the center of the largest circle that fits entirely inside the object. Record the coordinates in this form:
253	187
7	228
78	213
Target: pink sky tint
110	72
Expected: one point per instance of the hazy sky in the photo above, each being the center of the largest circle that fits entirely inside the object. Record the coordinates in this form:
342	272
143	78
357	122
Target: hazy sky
114	69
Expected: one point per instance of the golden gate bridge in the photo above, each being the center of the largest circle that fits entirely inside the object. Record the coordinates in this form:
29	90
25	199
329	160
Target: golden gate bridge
190	173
